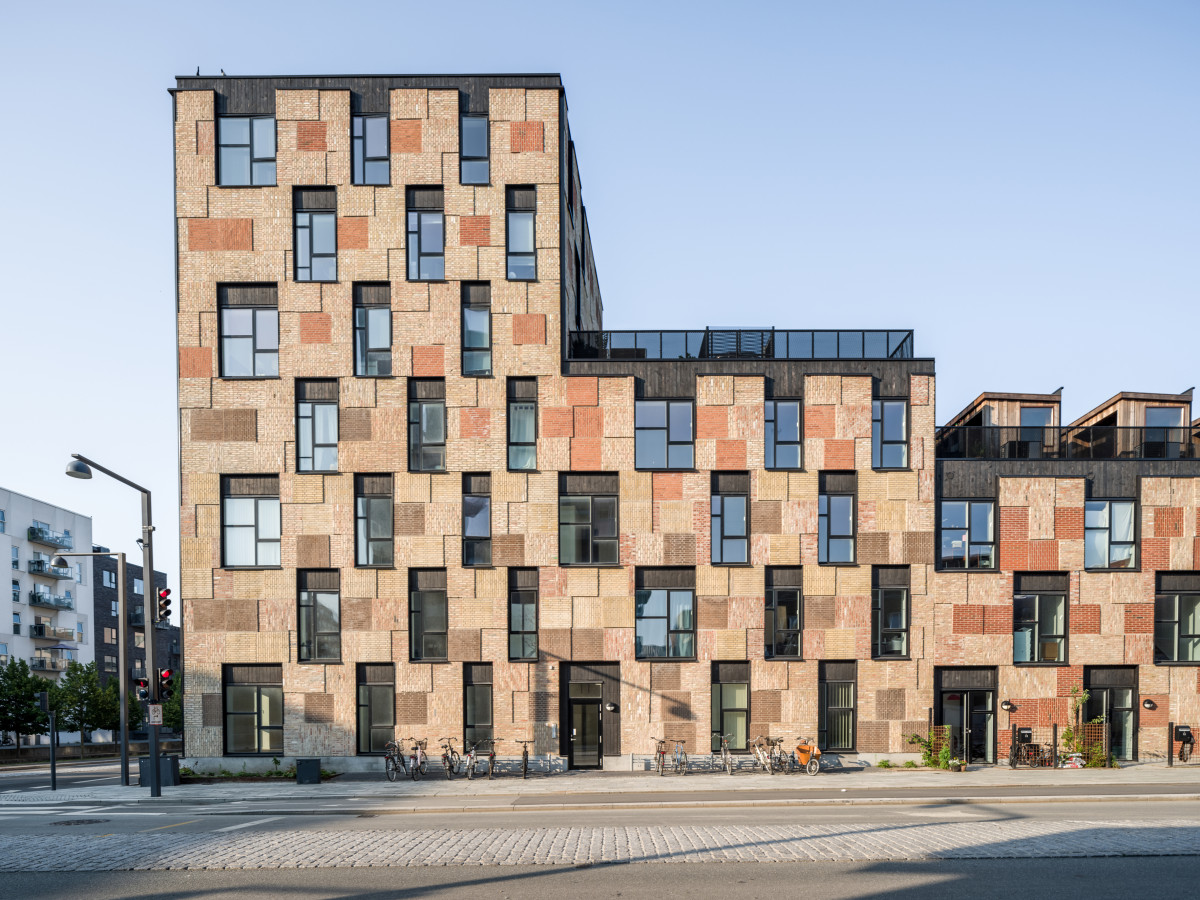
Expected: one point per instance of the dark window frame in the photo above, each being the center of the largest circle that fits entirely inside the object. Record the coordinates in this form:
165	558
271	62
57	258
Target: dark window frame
523	597
258	712
358	144
823	710
464	158
415	444
823	499
948	563
255	352
300	225
468	307
719	711
415	251
879	632
1132	544
510	418
308	612
257	498
311	419
615	539
666	619
477	542
1176	620
250	147
665	429
474	731
362	521
718	520
416	626
365	703
523	256
363	349
1038	637
879	418
771	631
771	440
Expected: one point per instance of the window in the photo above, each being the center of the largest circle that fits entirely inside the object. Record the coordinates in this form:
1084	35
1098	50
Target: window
587	520
110	635
16	558
522	424
139	586
520	231
139	640
1164	432
835	518
114	610
473	132
250	521
1109	534
426	235
968	534
730	519
522	615
731	714
376	706
373	545
1039	628
77	568
665	624
316	234
477	520
889	623
245	151
249	330
316	426
889	434
16	591
476	329
1177	628
835	712
1036	433
782	621
426	425
319	615
253	709
783	434
108	579
663	434
427	617
16	623
3	523
369	150
110	663
477	703
372	330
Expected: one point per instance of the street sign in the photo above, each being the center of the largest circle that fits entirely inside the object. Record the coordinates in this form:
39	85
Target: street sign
155	713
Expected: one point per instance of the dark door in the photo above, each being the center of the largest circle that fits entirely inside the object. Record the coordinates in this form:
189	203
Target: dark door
1113	706
971	717
585	744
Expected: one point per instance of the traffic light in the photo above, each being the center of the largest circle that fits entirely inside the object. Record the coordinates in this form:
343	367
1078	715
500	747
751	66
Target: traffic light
164	684
142	685
164	604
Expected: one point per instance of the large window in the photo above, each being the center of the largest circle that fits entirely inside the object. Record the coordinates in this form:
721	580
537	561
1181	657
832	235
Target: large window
665	624
316	426
426	425
783	441
587	530
889	623
250	521
477	520
522	614
108	579
473	152
520	233
373	545
968	534
245	151
376	706
427	615
369	150
522	424
1039	628
1036	432
426	235
1109	541
782	621
835	708
253	709
1177	628
835	518
730	522
477	702
372	330
476	329
319	616
249	330
889	434
1164	432
316	234
731	714
663	434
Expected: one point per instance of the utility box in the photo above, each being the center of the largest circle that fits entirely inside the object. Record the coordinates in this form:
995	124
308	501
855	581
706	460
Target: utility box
1024	735
168	771
1183	734
308	771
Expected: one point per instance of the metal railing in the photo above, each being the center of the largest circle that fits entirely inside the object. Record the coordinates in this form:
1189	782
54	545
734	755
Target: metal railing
42	567
51	632
50	601
1080	442
59	539
721	343
48	664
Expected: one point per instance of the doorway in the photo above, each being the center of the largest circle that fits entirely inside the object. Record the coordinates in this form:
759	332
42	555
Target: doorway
971	718
585	739
1112	699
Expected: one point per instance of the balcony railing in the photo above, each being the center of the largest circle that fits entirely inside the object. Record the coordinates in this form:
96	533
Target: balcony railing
137	617
51	632
1080	442
59	539
42	567
48	664
50	601
715	343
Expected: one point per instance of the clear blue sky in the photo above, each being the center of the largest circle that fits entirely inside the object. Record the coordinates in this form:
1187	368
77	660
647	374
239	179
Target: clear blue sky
1019	182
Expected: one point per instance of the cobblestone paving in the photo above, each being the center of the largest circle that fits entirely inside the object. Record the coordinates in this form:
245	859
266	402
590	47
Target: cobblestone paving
1014	839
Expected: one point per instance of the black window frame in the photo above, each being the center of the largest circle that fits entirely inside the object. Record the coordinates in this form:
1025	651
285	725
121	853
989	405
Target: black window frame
309	422
771	440
474	687
879	442
824	709
416	445
718	535
667	430
640	598
362	520
771	629
824	499
417	613
473	302
255	352
477	549
301	224
1135	560
258	541
358	144
515	386
307	614
969	542
719	711
879	632
522	595
613	540
1038	637
515	207
1176	620
366	354
259	687
464	158
366	703
250	147
415	251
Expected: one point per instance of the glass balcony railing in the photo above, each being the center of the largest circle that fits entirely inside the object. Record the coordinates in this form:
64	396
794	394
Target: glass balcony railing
137	617
42	567
60	539
1080	442
48	664
50	601
51	632
733	343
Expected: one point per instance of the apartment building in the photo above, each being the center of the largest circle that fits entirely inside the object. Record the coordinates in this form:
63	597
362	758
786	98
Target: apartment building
50	606
106	628
424	492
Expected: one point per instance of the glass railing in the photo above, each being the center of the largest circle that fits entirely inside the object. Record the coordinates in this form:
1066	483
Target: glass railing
51	632
1080	442
50	601
719	343
48	664
137	617
60	539
42	567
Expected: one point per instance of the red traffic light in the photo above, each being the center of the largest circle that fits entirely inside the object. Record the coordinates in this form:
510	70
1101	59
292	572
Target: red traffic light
165	674
164	604
143	688
164	593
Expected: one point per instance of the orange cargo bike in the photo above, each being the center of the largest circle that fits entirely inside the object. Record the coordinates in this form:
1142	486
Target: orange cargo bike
808	756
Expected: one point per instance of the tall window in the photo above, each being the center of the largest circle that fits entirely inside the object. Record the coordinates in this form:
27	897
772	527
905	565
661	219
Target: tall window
663	434
835	518
522	424
1039	628
1036	431
1109	534
110	635
369	150
245	151
1177	628
427	615
109	579
110	663
316	426
665	623
372	329
316	234
2	522
783	440
522	614
477	520
376	706
477	702
473	152
426	425
730	711
520	233
889	623
139	586
253	709
889	434
835	708
426	234
968	534
782	621
250	521
373	544
319	616
1164	432
16	557
587	520
476	329
249	326
730	519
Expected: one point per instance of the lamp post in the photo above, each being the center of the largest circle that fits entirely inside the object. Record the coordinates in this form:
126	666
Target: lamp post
122	660
81	467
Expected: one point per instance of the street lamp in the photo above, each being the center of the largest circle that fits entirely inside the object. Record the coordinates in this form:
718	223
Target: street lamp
81	467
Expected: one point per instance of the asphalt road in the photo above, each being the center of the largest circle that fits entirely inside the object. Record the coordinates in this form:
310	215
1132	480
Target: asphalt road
70	774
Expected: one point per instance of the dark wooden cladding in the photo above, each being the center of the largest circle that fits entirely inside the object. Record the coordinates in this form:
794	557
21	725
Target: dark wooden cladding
731	482
1107	478
1178	582
426	579
314	199
271	673
477	483
731	673
266	294
373	485
588	483
522	579
665	579
1041	583
1110	676
376	673
785	577
838	482
477	673
250	485
966	678
522	389
372	293
609	677
477	294
838	671
522	197
424	198
890	576
318	580
426	389
316	390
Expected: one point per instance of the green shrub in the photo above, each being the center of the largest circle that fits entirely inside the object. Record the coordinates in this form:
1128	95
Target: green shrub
910	764
885	764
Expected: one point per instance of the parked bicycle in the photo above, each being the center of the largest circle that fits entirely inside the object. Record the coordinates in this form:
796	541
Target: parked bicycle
660	755
761	750
451	760
808	755
524	756
1028	753
781	761
726	756
474	759
679	760
393	761
417	760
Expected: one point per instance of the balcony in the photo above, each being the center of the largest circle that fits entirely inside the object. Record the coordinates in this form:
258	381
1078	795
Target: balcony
50	601
51	632
59	539
47	664
43	567
714	343
137	617
1078	442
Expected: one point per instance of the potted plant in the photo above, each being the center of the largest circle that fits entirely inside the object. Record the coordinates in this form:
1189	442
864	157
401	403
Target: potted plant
956	764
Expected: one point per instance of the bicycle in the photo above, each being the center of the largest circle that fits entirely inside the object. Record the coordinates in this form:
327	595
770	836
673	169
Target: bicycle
807	755
393	761
417	760
726	756
782	762
762	754
679	760
451	761
473	760
524	756
1030	754
660	755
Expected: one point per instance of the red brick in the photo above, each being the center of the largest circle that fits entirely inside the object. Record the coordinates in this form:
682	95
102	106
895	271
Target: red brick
429	362
998	619
819	421
310	136
968	619
475	231
557	421
1014	523
476	423
406	136
589	422
585	454
1156	553
1068	523
1168	522
1043	555
529	328
527	136
839	454
731	455
352	233
204	138
712	422
583	391
316	328
1014	555
1139	618
1085	618
220	234
195	362
1067	678
668	486
1159	715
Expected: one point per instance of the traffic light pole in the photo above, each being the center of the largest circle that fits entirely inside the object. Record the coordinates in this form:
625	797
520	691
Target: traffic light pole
150	601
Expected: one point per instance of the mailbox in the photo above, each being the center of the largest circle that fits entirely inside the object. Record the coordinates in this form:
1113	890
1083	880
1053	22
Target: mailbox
1024	735
1183	734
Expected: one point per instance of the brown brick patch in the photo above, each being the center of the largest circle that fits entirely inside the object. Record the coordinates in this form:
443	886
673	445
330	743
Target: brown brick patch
874	548
318	708
818	612
677	706
1068	523
406	135
873	737
543	706
998	618
354	423
712	613
839	454
766	706
968	619
195	362
208	615
731	455
554	644
475	422
352	233
679	550
508	550
312	551
411	708
429	362
668	486
1139	618
665	677
310	136
712	422
464	643
527	136
475	231
1168	522
410	519
220	234
316	328
819	421
224	425
587	643
205	139
1066	678
1085	618
558	421
766	517
918	547
356	613
589	421
210	710
583	390
585	454
1043	555
241	615
890	704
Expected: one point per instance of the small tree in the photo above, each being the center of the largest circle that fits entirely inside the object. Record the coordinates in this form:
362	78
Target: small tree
20	712
77	700
173	708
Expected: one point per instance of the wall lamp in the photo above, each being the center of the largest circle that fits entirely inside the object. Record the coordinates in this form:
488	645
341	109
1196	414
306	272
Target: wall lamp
1149	704
1008	706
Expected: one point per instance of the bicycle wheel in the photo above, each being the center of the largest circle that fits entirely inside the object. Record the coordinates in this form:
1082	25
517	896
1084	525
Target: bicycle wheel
491	766
389	768
424	765
1185	752
683	763
414	770
813	767
1014	758
448	765
728	763
456	761
525	763
470	768
662	764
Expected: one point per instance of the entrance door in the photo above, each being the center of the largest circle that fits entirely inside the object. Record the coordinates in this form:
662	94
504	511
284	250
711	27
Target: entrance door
1114	706
584	742
971	717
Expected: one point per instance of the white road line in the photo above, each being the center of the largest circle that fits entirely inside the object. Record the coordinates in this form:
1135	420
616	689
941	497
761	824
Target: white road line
90	780
248	824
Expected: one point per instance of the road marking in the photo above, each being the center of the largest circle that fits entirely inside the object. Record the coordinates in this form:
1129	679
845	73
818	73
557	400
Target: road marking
90	780
161	827
248	824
